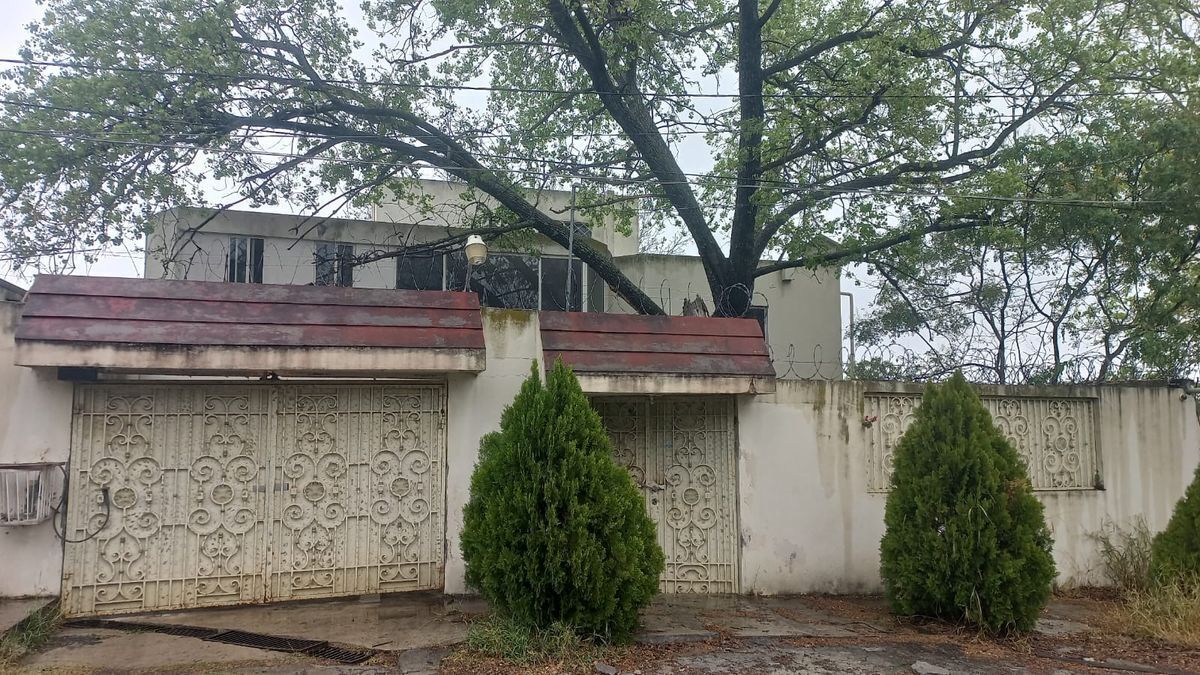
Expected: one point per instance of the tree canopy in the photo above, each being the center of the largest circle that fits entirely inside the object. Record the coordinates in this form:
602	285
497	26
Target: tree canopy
884	125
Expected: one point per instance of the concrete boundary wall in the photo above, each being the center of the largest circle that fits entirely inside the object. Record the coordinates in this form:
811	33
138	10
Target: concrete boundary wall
810	522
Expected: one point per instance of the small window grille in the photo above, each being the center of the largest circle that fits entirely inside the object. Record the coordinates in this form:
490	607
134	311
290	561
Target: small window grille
29	493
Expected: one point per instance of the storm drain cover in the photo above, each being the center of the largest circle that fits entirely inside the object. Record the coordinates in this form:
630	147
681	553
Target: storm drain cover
314	648
260	641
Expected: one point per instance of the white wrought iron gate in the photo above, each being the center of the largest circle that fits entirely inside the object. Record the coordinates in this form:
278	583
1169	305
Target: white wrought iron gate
681	453
229	494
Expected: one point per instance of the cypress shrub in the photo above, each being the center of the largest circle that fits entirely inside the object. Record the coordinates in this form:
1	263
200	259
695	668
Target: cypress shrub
554	530
965	538
1175	554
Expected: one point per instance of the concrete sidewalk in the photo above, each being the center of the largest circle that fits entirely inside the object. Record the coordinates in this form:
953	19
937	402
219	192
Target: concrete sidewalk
414	631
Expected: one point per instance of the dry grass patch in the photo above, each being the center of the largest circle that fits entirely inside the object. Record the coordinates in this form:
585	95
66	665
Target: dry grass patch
30	634
1168	612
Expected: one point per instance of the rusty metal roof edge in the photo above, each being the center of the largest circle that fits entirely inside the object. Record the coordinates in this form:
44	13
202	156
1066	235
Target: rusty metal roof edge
675	383
224	359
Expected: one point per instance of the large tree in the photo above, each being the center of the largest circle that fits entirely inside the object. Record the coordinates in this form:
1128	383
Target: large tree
864	121
1057	290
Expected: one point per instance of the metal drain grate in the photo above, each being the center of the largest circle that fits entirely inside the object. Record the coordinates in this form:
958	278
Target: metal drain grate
314	648
260	641
347	656
166	629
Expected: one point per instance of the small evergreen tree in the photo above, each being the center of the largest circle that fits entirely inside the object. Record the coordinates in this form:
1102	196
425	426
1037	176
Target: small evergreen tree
555	530
965	538
1175	554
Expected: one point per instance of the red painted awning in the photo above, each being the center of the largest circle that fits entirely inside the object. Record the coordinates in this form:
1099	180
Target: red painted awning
621	352
157	325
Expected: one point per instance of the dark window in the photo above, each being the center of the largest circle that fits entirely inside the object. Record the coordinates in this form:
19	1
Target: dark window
582	229
554	285
419	272
596	288
245	260
335	264
506	280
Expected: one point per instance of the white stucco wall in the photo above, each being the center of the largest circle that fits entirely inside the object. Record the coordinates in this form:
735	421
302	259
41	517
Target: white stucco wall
809	523
474	405
443	206
35	426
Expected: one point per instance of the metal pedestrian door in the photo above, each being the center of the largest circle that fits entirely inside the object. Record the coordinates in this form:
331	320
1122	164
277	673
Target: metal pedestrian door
681	454
203	495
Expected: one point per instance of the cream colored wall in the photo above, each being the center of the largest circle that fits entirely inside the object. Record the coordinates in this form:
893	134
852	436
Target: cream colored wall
444	207
475	403
177	250
35	426
804	316
810	525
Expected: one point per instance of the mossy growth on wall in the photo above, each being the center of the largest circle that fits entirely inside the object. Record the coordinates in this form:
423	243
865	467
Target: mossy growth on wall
554	530
1175	554
966	539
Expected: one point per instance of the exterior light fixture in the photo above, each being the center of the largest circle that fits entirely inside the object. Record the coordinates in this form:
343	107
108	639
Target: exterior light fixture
477	250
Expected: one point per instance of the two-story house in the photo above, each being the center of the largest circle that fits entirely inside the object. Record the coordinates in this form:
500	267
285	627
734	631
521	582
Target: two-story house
800	310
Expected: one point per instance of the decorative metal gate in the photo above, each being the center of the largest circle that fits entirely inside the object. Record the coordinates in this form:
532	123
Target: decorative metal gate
202	495
681	453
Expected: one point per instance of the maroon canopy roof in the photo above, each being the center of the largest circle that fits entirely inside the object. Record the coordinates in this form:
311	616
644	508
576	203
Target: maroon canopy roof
626	344
71	310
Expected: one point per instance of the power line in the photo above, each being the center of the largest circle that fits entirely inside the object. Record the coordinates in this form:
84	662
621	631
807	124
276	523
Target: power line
283	79
474	136
606	179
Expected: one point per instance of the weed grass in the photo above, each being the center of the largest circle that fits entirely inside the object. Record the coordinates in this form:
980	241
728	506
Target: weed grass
30	634
1162	611
498	637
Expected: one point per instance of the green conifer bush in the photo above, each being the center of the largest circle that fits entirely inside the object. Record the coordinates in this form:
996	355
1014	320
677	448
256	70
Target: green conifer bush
555	530
1175	554
965	538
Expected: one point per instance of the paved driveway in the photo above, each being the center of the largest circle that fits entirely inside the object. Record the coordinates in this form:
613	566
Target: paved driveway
413	632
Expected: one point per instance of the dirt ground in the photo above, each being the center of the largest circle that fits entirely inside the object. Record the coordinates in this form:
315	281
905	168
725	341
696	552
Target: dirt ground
776	635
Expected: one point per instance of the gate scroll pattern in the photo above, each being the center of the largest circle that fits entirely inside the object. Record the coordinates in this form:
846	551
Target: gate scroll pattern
405	490
681	454
204	495
225	503
128	526
1055	436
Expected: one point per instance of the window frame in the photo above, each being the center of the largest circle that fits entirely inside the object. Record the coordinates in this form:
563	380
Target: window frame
339	275
244	259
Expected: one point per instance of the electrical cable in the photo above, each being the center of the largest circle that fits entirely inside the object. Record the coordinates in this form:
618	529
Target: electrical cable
63	502
283	79
833	190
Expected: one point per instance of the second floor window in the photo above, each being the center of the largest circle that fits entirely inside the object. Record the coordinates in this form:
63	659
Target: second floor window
335	264
245	260
419	272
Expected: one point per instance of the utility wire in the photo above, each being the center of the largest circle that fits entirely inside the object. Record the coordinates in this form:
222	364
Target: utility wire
604	179
282	79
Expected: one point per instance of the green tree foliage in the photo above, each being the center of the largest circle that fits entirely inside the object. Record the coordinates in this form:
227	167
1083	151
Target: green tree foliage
1175	555
1055	289
875	123
555	530
965	537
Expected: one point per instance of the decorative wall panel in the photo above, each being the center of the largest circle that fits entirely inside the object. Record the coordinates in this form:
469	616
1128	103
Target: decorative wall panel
1055	436
226	494
681	452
